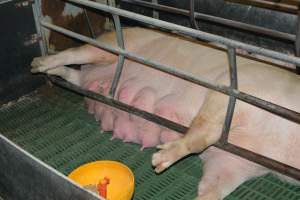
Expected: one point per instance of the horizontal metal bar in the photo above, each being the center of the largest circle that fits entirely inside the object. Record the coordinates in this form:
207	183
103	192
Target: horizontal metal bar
219	20
190	32
283	7
262	160
268	106
122	106
267	162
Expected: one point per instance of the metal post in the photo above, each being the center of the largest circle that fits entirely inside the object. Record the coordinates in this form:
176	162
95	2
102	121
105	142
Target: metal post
297	42
232	100
192	15
121	59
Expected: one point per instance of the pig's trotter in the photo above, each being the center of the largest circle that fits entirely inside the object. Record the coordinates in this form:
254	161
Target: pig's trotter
42	64
169	154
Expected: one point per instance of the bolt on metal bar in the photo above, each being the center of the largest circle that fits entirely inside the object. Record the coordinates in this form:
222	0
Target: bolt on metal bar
262	160
219	20
268	106
232	100
122	106
190	32
121	58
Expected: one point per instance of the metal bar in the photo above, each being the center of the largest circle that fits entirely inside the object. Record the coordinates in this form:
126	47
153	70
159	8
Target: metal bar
232	100
190	32
219	20
268	106
93	35
122	106
121	59
37	17
267	162
192	15
269	5
297	42
262	160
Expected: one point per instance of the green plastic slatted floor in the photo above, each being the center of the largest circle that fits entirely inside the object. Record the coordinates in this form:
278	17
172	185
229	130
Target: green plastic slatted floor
55	127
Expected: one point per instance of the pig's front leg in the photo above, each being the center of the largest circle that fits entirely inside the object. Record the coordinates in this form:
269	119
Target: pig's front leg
204	131
223	172
82	55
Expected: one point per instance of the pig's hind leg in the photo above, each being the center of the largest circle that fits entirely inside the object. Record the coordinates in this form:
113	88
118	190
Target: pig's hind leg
223	172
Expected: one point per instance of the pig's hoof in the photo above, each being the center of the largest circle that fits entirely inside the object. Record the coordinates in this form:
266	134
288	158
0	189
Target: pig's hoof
169	154
40	64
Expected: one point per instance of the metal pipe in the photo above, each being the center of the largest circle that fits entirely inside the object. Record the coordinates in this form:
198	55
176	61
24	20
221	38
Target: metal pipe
192	15
262	160
190	32
268	106
121	59
219	20
267	162
269	5
232	100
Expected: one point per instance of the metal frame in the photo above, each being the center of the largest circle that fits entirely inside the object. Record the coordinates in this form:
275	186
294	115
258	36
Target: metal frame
230	91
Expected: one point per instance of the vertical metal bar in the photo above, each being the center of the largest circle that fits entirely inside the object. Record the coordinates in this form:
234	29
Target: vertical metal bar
37	13
232	100
155	12
91	30
121	59
297	42
192	15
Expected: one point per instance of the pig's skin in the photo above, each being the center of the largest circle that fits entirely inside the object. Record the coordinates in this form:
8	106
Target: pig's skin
252	128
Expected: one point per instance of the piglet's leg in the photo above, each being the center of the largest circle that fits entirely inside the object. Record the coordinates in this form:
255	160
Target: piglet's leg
82	55
223	173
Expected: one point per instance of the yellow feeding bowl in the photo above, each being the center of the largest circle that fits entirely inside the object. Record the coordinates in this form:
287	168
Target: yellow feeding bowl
121	178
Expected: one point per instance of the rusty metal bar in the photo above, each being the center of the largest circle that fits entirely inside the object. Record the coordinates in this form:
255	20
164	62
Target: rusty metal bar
121	58
268	106
232	100
219	20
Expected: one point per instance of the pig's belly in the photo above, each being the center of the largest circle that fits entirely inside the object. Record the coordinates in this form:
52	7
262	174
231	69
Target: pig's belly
146	89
